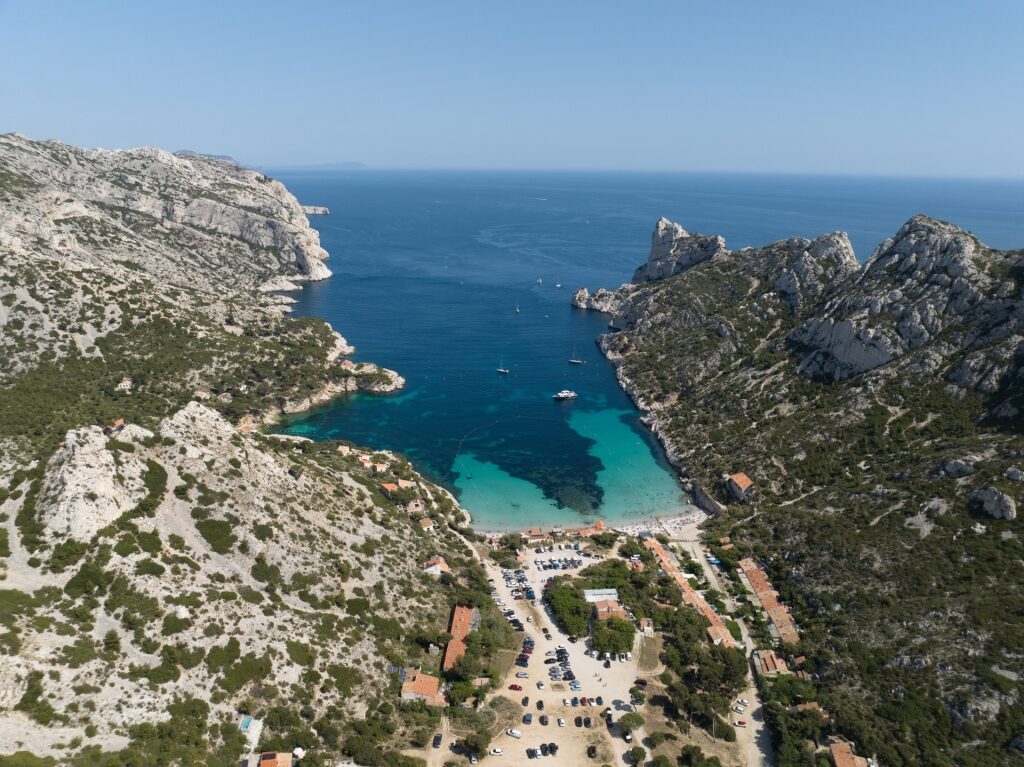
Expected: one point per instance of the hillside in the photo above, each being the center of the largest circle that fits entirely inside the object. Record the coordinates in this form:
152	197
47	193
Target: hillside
164	565
877	409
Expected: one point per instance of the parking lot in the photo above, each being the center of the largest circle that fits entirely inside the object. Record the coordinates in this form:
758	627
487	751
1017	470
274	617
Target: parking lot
563	689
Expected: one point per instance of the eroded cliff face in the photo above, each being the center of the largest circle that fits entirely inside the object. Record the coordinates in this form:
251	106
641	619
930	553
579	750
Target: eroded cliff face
187	220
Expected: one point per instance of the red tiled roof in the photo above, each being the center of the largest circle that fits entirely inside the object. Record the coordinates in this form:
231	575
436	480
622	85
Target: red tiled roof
741	480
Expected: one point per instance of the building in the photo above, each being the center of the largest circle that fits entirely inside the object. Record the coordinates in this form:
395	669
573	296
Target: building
380	468
388	488
344	449
814	706
125	386
347	364
738	485
275	759
115	427
717	631
427	525
420	686
780	621
609	608
768	664
415	506
405	484
843	755
463	620
435	566
647	627
596	595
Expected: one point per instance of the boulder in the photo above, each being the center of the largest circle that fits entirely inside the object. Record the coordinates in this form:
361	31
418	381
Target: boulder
995	503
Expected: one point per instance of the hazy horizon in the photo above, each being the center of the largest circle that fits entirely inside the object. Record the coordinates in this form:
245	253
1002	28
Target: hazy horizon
868	91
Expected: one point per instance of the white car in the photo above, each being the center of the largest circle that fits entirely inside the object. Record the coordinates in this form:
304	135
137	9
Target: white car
522	675
566	702
561	722
496	752
540	685
529	619
738	709
512	731
743	702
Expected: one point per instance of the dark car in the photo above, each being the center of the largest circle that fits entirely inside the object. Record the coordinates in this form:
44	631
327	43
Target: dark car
549	661
540	705
575	701
588	722
543	720
528	719
531	753
640	683
553	748
526	700
578	721
544	749
607	664
592	752
437	740
599	700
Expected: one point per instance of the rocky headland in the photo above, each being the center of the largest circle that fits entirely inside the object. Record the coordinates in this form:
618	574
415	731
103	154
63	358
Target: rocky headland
876	408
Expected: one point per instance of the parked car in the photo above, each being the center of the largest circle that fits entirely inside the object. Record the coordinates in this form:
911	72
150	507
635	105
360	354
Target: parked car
743	702
607	664
513	732
437	740
540	705
543	720
599	701
528	719
522	675
495	752
561	722
592	752
578	721
627	737
543	749
588	722
741	723
515	687
738	709
531	753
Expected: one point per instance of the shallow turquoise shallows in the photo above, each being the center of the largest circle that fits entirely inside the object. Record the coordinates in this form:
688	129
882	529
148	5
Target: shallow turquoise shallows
430	268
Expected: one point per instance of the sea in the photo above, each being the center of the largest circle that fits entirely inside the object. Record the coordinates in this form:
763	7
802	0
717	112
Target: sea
445	276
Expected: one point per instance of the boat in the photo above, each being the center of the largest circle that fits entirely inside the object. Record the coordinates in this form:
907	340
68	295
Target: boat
574	360
566	394
540	281
517	307
502	370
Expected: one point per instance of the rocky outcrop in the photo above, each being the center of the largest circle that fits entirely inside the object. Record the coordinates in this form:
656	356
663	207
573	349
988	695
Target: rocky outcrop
315	210
361	376
87	486
601	300
995	503
931	286
674	250
185	219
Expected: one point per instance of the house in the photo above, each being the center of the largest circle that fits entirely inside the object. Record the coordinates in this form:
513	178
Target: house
427	524
420	686
347	364
344	449
605	609
435	566
125	386
389	488
415	506
843	755
365	462
463	620
719	634
380	468
406	484
738	484
596	595
768	664
535	535
115	427
275	759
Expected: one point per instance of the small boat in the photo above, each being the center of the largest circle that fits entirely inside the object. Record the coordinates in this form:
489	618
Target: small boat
565	394
502	370
574	360
540	281
517	307
558	284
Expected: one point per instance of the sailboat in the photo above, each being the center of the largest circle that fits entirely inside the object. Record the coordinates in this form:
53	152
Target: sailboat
574	360
502	370
517	307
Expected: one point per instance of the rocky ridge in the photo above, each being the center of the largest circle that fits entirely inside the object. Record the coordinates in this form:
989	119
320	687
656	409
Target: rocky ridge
876	408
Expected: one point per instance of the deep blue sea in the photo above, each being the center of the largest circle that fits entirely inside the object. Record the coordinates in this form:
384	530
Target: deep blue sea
429	268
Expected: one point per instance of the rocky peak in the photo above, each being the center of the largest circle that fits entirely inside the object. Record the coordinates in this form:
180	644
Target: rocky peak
814	266
674	250
931	285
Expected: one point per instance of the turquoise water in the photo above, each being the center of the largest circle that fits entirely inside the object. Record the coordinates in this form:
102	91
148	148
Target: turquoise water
430	266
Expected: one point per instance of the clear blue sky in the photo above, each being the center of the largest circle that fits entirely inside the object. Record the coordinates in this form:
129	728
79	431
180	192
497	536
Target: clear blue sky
892	88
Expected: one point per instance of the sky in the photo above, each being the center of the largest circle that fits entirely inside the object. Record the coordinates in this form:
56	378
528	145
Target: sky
889	88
